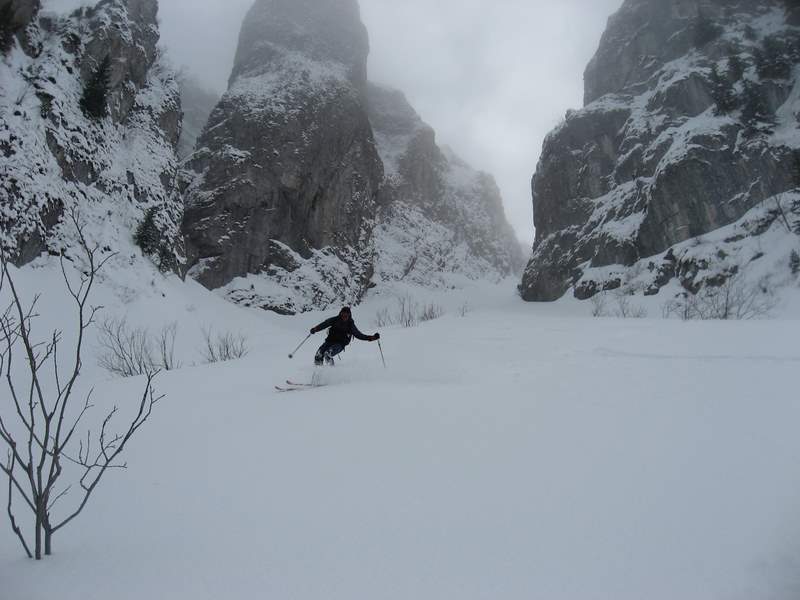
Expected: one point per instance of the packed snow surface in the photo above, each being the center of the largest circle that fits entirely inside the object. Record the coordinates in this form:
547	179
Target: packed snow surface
519	451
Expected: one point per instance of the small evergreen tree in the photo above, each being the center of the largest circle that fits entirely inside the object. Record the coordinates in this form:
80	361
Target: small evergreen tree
794	262
7	29
148	236
754	108
736	68
94	102
166	259
722	92
151	240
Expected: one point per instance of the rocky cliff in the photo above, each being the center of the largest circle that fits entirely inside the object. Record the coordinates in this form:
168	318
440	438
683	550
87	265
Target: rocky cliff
437	215
690	127
310	186
197	102
111	167
15	17
287	173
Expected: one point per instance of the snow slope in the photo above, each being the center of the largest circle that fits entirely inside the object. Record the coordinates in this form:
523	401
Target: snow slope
523	451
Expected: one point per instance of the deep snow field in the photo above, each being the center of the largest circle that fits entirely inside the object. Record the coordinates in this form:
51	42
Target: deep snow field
519	452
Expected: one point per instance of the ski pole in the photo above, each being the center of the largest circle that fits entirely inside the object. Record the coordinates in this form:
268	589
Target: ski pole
382	358
300	346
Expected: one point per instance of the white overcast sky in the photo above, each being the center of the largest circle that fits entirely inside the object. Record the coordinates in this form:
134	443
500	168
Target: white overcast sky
493	77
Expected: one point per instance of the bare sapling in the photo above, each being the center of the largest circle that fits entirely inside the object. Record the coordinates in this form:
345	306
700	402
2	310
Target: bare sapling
51	453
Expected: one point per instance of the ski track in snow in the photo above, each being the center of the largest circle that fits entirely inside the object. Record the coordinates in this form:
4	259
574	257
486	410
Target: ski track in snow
523	451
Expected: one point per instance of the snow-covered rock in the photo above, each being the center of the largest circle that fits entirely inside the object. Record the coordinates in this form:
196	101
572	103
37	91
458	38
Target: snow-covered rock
286	172
690	123
310	186
437	215
15	17
54	160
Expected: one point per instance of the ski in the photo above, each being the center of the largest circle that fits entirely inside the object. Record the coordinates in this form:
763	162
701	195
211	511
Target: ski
283	389
297	387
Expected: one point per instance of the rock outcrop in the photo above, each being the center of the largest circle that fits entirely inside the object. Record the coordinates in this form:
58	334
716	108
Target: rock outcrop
690	124
287	173
197	102
15	17
437	215
54	157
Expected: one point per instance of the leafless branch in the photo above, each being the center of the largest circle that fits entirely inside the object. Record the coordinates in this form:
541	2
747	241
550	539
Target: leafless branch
222	347
34	468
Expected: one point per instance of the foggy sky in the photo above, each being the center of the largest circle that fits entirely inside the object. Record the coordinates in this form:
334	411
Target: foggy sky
492	77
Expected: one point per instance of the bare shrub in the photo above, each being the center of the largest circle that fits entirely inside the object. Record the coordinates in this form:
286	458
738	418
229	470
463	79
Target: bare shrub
409	313
47	434
407	309
166	347
430	312
735	299
626	309
130	351
222	347
599	302
683	306
383	318
125	351
794	262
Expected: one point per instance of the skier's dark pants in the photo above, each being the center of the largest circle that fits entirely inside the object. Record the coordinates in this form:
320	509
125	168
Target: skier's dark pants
327	351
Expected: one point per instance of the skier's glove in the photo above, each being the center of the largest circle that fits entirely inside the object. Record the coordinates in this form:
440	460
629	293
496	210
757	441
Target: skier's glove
313	330
376	337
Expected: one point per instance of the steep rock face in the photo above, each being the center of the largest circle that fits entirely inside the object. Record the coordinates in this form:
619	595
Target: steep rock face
17	15
282	204
197	102
691	122
54	158
437	216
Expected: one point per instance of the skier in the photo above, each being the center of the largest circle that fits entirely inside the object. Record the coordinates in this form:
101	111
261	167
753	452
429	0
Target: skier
341	330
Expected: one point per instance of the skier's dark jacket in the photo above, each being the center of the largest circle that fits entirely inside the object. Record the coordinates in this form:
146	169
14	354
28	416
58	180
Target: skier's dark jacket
341	332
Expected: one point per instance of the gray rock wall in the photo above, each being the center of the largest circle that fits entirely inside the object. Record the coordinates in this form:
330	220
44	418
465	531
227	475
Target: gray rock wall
690	122
438	214
288	159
